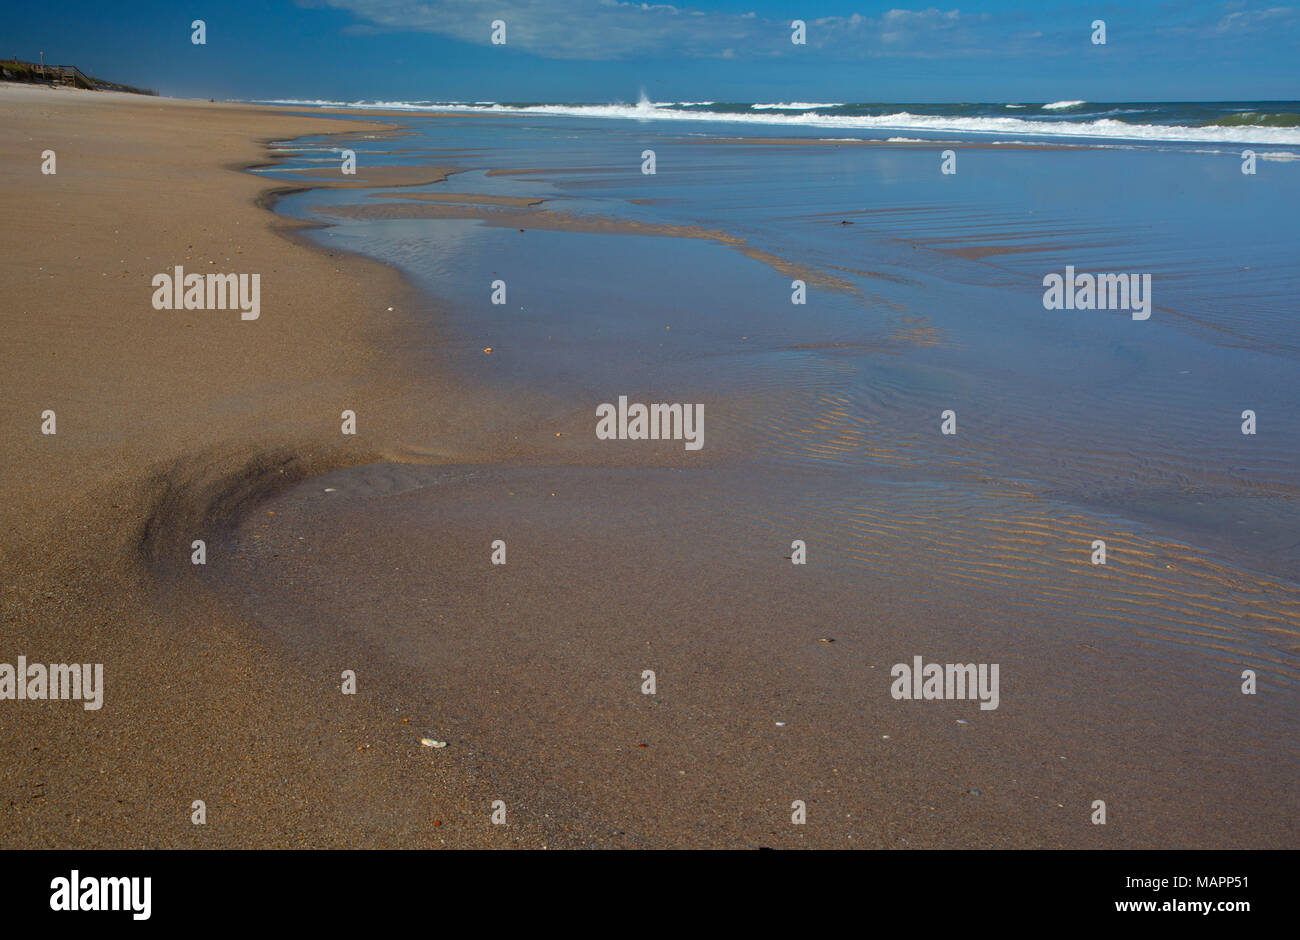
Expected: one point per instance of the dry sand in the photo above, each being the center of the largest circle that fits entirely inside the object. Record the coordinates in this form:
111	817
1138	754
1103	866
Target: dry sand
166	420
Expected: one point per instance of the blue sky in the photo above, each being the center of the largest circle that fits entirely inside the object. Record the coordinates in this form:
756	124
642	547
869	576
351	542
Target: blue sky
605	50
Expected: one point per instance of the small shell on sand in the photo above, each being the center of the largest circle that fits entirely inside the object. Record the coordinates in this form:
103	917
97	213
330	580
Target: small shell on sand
430	742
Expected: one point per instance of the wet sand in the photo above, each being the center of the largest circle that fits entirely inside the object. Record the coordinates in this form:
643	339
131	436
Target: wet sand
556	221
771	679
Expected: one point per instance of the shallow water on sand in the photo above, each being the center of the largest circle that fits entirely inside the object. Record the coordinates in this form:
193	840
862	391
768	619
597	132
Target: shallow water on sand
939	303
823	424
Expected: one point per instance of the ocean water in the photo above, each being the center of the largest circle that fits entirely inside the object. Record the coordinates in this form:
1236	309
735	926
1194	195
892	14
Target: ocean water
1275	122
925	294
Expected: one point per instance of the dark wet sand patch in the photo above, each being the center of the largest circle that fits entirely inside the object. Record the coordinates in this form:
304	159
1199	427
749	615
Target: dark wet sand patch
474	199
557	221
371	177
534	171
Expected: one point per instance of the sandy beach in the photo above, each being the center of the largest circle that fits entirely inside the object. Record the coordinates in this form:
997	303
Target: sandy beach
165	421
369	552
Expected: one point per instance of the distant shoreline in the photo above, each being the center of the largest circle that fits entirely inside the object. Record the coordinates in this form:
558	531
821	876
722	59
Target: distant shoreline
14	70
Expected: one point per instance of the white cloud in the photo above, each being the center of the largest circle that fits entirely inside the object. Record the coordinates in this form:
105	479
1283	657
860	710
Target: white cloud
616	29
1246	21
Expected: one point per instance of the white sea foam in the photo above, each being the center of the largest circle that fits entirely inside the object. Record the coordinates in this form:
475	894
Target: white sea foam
795	106
1062	105
899	121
